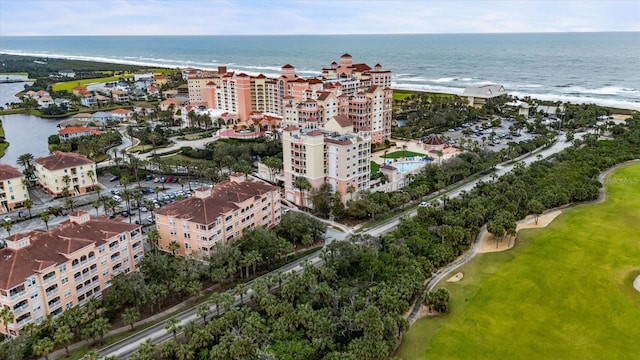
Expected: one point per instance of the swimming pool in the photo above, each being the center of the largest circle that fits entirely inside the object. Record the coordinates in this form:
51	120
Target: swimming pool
407	166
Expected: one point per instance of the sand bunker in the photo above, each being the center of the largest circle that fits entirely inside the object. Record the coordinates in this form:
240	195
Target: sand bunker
455	278
488	241
636	283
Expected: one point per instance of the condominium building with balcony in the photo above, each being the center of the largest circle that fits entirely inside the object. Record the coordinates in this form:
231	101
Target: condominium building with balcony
217	215
48	272
13	191
334	153
65	170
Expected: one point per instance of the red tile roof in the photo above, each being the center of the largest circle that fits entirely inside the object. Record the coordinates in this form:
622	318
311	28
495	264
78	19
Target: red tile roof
73	130
9	172
47	248
360	67
223	198
345	55
62	160
288	66
433	140
343	120
315	133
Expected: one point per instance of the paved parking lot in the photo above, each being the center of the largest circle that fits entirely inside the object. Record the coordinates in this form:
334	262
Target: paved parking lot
480	132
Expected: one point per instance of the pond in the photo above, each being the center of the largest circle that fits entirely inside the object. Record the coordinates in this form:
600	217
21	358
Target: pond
27	134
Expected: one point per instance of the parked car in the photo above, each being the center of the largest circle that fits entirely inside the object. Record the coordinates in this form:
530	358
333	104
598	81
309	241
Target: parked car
125	214
113	178
115	192
168	179
144	209
150	219
156	180
423	204
150	191
176	180
7	218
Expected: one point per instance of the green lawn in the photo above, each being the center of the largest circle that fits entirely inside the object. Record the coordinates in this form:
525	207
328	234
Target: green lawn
564	292
375	167
400	154
69	85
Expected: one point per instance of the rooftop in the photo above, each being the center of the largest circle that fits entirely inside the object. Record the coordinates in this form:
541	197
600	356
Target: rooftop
62	160
221	199
9	172
47	248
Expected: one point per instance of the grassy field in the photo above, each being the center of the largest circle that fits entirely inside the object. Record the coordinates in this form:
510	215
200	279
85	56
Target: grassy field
69	85
564	292
402	94
399	154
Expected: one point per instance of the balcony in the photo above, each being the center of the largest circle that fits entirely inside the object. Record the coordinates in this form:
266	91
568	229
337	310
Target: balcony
55	304
24	321
20	309
49	279
18	295
52	292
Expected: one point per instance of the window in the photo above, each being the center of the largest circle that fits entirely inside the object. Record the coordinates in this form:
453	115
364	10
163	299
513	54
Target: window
34	295
67	293
187	236
101	249
65	280
31	281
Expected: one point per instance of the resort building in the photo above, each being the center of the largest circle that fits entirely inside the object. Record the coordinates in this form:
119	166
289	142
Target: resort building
48	272
120	96
477	96
333	153
13	192
360	92
217	215
65	170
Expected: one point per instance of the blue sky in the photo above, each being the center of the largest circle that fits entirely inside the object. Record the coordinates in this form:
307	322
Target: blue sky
245	17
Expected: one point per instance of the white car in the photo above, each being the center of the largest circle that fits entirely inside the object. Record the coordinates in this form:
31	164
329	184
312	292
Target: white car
7	219
423	204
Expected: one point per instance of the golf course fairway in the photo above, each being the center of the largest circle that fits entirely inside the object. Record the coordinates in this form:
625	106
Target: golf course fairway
563	292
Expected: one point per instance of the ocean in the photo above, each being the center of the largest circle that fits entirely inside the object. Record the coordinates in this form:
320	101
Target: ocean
602	68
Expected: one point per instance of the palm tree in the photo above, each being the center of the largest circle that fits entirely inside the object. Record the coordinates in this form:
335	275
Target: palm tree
203	310
69	202
96	205
130	317
153	238
173	325
28	204
6	316
25	160
63	336
173	247
91	174
302	184
239	290
67	180
7	226
43	347
45	217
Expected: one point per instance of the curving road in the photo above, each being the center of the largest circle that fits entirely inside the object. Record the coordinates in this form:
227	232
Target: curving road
158	333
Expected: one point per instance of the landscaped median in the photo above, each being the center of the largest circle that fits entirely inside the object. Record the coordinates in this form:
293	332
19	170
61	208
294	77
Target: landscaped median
562	292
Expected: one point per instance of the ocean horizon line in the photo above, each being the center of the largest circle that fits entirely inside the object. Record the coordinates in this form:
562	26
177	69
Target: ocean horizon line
328	34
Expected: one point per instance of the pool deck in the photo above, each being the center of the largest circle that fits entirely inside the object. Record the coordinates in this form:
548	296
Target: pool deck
412	145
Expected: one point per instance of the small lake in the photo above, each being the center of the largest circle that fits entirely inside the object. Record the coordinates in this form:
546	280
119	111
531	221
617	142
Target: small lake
27	134
8	91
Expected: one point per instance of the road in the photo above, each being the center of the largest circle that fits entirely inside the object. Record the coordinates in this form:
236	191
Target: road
158	333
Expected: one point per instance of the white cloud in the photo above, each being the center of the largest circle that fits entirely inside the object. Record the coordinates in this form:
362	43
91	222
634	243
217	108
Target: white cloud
146	17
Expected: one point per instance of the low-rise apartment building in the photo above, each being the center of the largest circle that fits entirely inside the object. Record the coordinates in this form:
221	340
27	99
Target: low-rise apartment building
47	272
13	192
65	170
217	215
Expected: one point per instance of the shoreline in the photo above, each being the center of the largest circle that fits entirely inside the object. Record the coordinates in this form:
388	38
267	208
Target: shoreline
400	87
